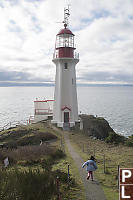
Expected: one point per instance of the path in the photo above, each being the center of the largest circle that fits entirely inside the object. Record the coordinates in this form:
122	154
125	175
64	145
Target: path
93	189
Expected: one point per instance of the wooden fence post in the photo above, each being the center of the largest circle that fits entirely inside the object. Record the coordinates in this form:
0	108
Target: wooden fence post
94	152
58	189
68	176
62	145
88	148
104	166
118	175
83	147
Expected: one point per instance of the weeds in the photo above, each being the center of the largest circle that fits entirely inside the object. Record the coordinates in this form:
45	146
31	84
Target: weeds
31	184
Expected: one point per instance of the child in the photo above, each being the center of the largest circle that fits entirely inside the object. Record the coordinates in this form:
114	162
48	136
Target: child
91	166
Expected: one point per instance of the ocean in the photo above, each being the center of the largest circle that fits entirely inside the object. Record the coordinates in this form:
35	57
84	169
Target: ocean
113	103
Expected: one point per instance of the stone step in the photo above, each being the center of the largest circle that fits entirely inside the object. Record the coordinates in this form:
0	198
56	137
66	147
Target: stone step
66	127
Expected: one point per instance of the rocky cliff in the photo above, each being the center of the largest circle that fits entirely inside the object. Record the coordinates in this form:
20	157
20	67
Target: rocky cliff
95	126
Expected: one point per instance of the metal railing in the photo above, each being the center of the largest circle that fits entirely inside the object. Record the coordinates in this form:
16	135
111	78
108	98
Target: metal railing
75	56
43	111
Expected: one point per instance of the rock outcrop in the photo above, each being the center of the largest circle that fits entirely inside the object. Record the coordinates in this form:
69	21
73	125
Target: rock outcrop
95	126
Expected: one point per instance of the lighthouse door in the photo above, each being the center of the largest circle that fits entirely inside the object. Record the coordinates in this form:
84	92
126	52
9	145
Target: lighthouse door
66	117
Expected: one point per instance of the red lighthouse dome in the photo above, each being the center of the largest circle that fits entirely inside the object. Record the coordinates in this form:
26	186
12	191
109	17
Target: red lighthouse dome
65	31
64	45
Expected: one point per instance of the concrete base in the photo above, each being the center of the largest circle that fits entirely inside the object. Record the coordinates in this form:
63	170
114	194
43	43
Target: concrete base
53	122
60	124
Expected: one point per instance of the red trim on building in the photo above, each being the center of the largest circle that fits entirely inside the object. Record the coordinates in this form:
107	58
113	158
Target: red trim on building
65	52
43	100
66	108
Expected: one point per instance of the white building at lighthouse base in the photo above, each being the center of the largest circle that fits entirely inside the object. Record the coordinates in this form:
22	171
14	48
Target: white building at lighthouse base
43	110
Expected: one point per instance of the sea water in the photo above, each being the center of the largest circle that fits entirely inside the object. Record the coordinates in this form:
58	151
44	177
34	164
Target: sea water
113	103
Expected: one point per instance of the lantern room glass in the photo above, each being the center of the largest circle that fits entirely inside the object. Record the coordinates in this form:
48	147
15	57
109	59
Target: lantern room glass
65	40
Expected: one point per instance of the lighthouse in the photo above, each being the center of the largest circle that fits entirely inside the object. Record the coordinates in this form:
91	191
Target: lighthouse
65	109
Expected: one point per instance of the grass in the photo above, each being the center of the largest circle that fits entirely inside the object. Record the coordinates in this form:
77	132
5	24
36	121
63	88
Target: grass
27	135
28	184
114	155
33	168
74	192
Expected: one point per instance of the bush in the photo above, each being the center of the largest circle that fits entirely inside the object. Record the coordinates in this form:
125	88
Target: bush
129	141
115	138
30	153
58	154
51	159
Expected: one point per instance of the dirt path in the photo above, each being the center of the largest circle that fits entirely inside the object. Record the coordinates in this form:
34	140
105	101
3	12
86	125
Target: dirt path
93	189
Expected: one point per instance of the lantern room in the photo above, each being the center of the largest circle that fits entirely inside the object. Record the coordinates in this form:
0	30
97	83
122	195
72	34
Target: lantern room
65	38
64	46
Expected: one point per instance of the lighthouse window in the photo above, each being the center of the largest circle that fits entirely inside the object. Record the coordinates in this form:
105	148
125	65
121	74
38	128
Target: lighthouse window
65	66
72	81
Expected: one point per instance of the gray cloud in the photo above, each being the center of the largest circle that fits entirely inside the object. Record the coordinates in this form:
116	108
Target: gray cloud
107	76
20	77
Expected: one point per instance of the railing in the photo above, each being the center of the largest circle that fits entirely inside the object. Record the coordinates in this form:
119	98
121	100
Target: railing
75	56
31	119
43	111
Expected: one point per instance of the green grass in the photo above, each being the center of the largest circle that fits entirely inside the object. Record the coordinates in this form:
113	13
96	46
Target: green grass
30	164
114	155
74	192
27	135
28	184
77	192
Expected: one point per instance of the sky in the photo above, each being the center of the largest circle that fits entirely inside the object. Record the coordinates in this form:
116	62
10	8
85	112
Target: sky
103	35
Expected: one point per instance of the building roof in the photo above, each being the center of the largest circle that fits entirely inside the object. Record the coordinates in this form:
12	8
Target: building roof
65	31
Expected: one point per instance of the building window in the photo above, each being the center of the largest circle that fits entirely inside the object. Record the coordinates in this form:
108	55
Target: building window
72	81
65	66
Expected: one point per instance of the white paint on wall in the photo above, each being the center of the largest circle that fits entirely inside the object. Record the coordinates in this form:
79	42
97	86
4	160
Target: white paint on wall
65	91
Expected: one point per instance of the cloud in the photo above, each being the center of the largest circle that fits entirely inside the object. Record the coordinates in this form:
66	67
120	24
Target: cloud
107	77
8	76
103	34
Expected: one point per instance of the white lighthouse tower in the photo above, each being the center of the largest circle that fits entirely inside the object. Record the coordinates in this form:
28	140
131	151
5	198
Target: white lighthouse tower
65	110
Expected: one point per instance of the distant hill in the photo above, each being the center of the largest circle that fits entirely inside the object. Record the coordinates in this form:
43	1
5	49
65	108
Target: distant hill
41	84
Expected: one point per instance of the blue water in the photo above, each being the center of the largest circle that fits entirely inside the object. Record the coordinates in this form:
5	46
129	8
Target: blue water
113	103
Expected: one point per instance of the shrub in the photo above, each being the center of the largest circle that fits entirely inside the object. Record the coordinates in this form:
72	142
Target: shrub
51	159
115	138
58	154
129	141
33	155
30	154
